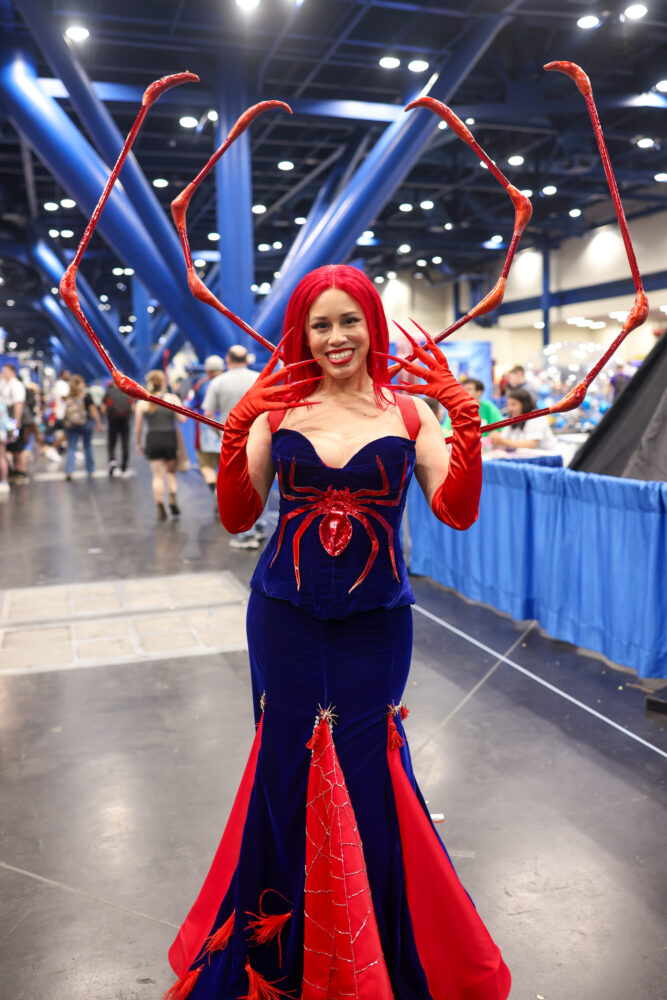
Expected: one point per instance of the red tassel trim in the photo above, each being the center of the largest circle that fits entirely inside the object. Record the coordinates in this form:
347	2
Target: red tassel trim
268	925
260	988
405	711
219	940
395	738
184	986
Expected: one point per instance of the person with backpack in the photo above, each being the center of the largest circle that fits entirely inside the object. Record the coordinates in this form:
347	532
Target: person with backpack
117	408
81	415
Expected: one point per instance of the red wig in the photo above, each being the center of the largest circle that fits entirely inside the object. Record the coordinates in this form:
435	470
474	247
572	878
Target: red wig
357	285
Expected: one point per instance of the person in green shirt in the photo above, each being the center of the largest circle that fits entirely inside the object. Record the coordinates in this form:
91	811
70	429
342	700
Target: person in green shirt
488	411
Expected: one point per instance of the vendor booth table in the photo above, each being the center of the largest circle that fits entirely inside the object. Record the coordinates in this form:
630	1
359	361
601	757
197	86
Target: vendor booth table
584	555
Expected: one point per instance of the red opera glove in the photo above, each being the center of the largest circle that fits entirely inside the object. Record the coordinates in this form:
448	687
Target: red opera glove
456	500
238	501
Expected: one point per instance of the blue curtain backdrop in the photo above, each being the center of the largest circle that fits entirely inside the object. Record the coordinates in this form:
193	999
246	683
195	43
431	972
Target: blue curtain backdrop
585	555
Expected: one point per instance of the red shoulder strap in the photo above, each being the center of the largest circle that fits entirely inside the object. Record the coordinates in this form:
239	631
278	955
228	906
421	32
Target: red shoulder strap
276	418
411	418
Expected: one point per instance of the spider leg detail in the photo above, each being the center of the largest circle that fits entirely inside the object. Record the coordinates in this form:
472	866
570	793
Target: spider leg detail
375	547
179	207
390	534
313	491
298	534
285	519
367	494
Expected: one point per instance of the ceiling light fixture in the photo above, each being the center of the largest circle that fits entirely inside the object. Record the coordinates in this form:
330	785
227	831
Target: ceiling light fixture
635	11
442	125
549	189
588	21
212	115
436	260
247	4
53	233
418	65
661	86
390	62
213	237
263	247
67	233
574	213
427	204
188	121
661	178
128	271
527	192
77	33
404	248
258	209
516	160
378	279
160	182
448	226
391	275
277	245
470	121
67	203
285	165
200	262
645	142
50	206
300	220
117	271
405	206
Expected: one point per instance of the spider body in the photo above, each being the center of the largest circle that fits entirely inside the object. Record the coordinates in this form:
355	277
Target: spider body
337	508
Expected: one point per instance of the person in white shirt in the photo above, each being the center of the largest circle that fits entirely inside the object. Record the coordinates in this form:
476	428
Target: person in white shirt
535	433
13	393
60	394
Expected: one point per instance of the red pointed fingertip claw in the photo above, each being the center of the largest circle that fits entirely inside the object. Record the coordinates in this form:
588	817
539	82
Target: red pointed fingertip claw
405	333
158	87
422	330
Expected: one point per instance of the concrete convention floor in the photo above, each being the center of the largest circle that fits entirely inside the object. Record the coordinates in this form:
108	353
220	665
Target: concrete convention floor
126	721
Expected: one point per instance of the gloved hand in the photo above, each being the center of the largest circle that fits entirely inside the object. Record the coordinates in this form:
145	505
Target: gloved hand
456	500
238	502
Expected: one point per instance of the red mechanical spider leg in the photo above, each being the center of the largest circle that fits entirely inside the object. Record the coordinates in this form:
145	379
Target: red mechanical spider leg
296	541
390	534
639	310
179	207
68	288
375	547
522	211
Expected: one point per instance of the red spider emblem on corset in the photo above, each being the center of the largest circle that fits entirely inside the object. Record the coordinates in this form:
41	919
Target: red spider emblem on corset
336	507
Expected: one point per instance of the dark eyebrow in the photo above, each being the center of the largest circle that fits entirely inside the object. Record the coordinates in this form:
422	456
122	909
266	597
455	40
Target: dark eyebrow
350	312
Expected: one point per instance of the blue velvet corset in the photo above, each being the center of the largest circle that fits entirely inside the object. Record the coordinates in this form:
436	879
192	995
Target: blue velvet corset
336	549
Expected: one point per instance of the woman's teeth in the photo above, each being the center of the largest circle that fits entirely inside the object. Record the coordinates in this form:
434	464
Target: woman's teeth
338	357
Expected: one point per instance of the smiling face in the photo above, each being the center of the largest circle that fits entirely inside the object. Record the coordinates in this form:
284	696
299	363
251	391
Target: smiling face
337	334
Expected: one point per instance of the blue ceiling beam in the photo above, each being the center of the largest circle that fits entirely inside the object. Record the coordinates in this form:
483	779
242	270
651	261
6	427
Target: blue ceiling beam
370	111
383	170
87	362
654	282
78	169
109	141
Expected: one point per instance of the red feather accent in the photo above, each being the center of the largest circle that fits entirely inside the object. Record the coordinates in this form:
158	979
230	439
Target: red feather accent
219	940
268	925
342	951
395	738
260	988
184	986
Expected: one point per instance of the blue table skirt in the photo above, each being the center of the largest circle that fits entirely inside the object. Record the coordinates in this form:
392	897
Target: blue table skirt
585	555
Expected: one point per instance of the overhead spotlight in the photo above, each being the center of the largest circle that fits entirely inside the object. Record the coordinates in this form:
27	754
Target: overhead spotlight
483	165
470	121
258	209
368	234
574	213
77	33
645	142
212	115
436	260
404	248
299	221
661	178
405	207
285	165
588	21
661	86
160	182
54	233
264	288
128	271
516	160
188	121
11	345
443	125
635	11
539	325
50	206
213	237
527	192
67	203
67	233
263	247
11	302
247	4
121	286
54	291
104	298
391	275
277	245
418	65
421	262
448	226
427	204
378	279
254	288
276	274
549	189
199	262
117	271
390	62
496	239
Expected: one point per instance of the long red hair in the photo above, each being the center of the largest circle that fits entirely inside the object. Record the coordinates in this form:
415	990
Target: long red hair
356	284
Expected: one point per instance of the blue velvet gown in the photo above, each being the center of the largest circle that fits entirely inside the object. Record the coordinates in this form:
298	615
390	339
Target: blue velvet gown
330	627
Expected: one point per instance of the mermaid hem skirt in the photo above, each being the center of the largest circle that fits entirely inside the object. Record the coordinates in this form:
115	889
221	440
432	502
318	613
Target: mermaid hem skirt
330	881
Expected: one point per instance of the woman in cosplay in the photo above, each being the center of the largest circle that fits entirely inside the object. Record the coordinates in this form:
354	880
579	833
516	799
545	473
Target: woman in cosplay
330	880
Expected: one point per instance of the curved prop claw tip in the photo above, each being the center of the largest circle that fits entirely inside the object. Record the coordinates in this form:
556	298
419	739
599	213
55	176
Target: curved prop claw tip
158	87
490	301
571	400
129	386
447	115
575	72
